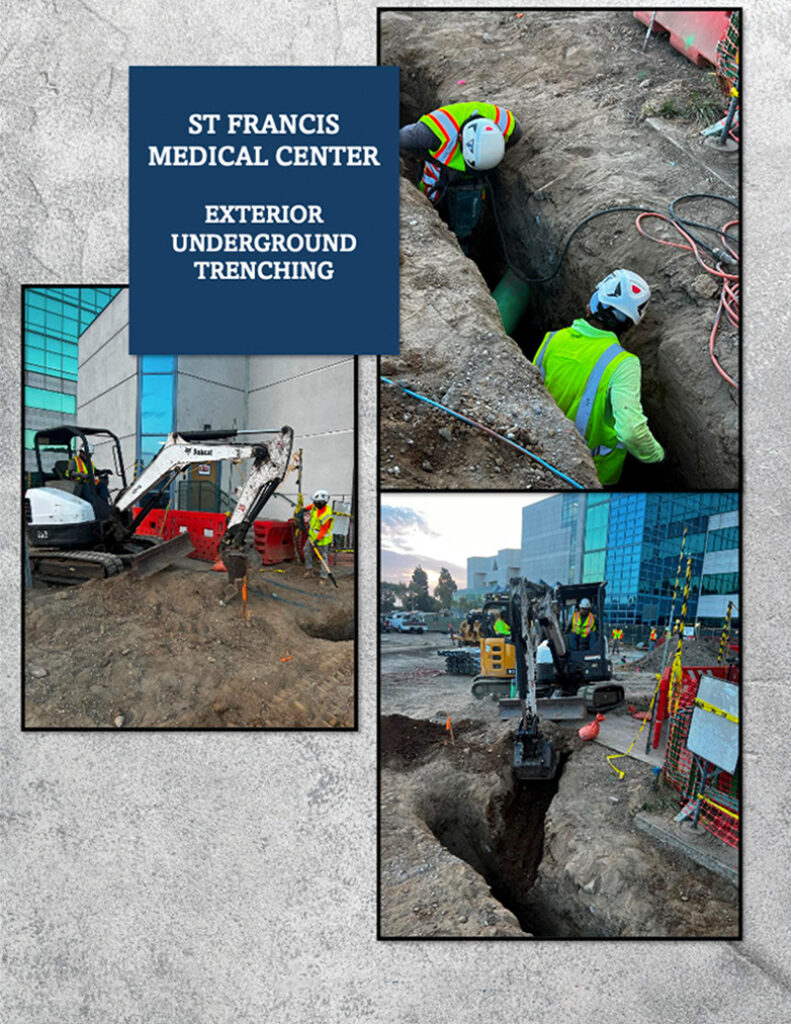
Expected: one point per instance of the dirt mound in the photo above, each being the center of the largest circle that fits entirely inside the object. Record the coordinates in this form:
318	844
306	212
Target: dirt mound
173	651
405	743
596	136
694	652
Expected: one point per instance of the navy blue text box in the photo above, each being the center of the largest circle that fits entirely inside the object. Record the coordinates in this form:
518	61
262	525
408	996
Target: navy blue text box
263	210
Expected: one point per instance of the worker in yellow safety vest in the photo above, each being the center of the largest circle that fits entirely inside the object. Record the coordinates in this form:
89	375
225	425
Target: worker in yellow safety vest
617	636
583	623
460	143
501	627
652	639
319	528
596	382
81	468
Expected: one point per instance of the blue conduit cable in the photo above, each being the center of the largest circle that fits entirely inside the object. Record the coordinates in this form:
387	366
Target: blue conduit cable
472	423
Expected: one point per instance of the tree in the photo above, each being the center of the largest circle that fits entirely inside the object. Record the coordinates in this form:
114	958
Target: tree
389	593
445	588
417	592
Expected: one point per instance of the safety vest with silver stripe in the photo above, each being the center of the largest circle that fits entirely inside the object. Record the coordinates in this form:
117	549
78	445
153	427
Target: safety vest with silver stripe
576	368
445	122
320	525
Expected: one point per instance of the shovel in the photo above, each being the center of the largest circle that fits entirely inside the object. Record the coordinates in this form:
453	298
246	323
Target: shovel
318	555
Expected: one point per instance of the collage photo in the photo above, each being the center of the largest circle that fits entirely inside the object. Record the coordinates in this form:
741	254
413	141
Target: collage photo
379	546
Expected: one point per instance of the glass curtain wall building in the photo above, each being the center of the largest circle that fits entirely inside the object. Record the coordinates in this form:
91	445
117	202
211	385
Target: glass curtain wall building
633	541
54	319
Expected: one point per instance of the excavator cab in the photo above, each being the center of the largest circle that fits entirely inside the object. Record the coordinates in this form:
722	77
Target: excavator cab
69	510
587	658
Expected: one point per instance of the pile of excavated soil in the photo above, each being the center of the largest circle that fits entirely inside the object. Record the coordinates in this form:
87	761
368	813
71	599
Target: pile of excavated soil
693	652
467	851
169	651
597	113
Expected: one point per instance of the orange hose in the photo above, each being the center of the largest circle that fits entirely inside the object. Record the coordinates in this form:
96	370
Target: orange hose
729	295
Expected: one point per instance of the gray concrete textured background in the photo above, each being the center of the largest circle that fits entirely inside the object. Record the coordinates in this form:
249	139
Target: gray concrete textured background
231	878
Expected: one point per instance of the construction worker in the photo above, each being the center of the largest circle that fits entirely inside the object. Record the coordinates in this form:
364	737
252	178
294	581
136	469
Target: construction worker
583	623
616	639
652	639
81	467
319	532
460	142
596	382
501	627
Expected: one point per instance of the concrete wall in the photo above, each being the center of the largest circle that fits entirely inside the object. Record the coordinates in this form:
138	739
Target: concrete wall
107	384
213	390
315	396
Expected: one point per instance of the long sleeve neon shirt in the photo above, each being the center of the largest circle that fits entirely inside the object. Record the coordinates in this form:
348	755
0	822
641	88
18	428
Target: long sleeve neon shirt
631	424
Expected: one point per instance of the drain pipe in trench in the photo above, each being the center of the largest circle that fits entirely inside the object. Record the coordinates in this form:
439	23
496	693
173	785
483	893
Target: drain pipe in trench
512	296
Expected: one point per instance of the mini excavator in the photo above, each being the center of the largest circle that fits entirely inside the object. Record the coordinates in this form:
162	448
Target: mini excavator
76	531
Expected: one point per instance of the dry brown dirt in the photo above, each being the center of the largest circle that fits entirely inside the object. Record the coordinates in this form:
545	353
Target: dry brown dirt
164	652
605	124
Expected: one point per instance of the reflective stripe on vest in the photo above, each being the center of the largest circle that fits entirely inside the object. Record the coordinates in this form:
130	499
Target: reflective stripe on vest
591	388
449	132
541	352
503	120
578	624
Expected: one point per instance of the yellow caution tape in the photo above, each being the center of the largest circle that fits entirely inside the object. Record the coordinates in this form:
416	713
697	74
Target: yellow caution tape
626	753
715	710
707	800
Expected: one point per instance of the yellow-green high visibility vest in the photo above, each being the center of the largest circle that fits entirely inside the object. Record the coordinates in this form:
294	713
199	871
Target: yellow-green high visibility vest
502	628
446	124
582	623
576	366
320	525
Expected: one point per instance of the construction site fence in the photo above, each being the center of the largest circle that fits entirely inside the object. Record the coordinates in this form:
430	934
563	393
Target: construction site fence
719	809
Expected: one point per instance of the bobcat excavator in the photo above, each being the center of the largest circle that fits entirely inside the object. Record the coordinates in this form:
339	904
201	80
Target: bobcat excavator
76	531
533	612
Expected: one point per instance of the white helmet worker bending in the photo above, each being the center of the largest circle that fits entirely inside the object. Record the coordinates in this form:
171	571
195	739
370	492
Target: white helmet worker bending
482	144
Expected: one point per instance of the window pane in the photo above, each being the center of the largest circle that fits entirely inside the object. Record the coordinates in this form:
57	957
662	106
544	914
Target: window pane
156	403
157	364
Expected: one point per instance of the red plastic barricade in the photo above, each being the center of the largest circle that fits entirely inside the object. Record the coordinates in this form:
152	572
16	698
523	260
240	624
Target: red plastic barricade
693	33
205	529
274	540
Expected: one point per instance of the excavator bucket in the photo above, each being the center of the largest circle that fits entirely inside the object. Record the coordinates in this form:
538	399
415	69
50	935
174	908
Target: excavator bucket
236	565
160	556
534	762
551	709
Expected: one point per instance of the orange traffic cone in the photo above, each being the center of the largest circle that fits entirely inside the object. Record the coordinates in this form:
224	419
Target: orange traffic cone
218	566
591	730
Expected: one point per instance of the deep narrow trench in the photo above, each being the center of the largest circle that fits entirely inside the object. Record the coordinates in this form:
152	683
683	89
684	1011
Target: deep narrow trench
503	842
532	240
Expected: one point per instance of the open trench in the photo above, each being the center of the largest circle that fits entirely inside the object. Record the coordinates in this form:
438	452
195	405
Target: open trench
530	234
504	843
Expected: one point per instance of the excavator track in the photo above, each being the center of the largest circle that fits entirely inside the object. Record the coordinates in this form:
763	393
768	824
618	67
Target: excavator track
56	565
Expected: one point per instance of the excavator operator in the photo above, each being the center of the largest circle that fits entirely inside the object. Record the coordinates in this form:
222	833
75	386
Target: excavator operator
583	623
81	466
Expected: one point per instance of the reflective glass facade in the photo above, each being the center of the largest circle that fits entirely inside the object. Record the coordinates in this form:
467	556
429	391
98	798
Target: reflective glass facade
156	404
633	542
54	319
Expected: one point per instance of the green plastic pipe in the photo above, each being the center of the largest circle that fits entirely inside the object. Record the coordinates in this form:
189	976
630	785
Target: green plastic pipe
512	296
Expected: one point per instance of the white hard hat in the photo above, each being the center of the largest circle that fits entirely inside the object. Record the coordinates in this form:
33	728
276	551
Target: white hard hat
585	603
482	144
321	496
624	293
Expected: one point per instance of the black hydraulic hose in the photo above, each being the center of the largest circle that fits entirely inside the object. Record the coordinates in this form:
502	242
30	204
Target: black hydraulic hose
616	209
